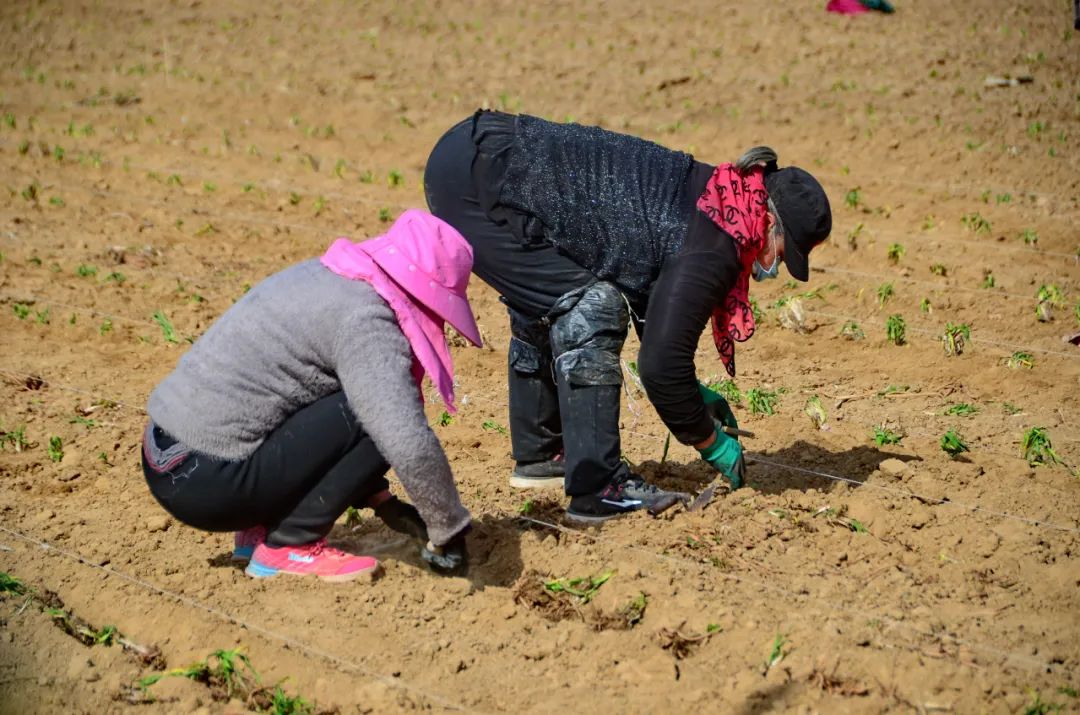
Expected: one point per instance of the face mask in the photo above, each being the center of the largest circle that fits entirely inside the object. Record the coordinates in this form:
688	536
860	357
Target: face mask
762	274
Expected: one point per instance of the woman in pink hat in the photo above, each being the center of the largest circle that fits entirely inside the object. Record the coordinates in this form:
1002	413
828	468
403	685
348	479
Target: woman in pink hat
295	403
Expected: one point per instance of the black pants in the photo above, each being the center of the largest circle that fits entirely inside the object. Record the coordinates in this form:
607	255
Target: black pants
296	484
547	415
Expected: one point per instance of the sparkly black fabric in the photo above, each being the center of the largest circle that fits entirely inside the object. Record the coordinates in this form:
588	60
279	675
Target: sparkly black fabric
614	204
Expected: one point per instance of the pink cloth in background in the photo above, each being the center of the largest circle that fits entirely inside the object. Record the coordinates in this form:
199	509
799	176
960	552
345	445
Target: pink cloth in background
846	7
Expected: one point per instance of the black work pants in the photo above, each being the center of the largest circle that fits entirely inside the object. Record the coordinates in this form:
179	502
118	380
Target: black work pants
296	484
530	279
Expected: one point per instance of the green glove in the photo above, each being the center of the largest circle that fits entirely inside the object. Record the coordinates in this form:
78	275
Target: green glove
717	407
725	454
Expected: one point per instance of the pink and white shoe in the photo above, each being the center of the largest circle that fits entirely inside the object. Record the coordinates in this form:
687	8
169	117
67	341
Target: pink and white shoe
315	559
244	542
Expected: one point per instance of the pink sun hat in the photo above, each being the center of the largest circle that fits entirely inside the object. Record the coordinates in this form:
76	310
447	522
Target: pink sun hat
430	261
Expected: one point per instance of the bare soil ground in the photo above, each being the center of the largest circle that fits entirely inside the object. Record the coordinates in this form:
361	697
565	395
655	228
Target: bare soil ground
158	158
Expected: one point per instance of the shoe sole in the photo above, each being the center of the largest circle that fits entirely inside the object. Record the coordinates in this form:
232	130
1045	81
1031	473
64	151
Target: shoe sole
594	518
519	482
255	570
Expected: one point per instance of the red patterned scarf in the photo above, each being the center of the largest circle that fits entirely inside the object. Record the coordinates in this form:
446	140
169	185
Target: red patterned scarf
737	203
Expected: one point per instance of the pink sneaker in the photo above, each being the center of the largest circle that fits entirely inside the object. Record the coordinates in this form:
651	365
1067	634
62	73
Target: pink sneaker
315	559
244	542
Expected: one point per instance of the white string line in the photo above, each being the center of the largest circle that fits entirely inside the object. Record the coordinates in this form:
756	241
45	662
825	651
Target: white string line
937	335
771	585
22	377
346	199
985	292
32	299
1069	203
313	651
289	641
901	492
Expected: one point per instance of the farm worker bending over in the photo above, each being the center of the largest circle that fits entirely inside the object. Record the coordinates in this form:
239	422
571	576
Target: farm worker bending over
297	400
581	229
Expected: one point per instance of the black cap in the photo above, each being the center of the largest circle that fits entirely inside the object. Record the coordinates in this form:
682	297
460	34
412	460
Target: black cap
804	212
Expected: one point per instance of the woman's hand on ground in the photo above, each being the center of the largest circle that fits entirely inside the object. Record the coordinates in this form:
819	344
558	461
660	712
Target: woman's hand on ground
450	559
726	455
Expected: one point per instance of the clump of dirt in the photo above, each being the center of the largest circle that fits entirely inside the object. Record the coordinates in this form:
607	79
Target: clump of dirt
540	593
681	645
833	684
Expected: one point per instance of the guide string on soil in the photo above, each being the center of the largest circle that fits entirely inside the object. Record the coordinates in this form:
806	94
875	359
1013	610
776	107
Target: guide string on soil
1029	662
289	641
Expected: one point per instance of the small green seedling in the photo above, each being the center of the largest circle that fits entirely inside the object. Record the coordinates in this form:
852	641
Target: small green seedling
975	223
896	329
727	389
895	252
16	438
852	331
779	650
853	198
1029	237
583	588
953	338
939	269
884	292
115	277
762	401
924	306
634	611
10	584
1048	298
883	436
1011	409
816	412
319	205
988	280
527	507
961	409
86	271
492	425
21	310
953	444
384	215
55	448
106	327
84	421
1037	449
445	418
353	518
167	330
1020	359
395	178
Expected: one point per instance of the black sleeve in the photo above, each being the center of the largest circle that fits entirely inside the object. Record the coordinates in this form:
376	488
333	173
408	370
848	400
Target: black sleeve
691	283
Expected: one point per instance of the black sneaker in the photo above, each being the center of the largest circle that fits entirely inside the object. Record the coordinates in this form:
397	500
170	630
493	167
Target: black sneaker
539	475
618	498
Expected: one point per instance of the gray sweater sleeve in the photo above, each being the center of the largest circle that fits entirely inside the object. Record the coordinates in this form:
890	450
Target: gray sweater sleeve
374	364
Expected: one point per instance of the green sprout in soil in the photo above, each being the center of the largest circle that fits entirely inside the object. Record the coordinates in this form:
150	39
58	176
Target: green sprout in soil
583	588
227	670
925	306
167	331
779	650
988	280
892	389
852	331
728	389
896	330
1048	298
106	327
1038	707
16	438
883	436
756	310
975	223
115	277
1037	449
492	425
43	316
853	198
895	252
884	292
961	409
954	337
1011	409
55	448
816	412
353	518
10	584
445	418
395	178
634	611
762	401
939	269
1020	359
384	215
86	271
527	507
953	444
1029	237
853	235
21	310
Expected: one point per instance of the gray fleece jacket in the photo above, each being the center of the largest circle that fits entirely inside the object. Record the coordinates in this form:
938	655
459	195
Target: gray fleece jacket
298	336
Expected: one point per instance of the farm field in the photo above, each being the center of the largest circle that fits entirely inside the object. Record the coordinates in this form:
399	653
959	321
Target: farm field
159	159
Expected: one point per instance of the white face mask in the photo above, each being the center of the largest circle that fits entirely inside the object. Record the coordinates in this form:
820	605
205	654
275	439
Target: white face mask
763	274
